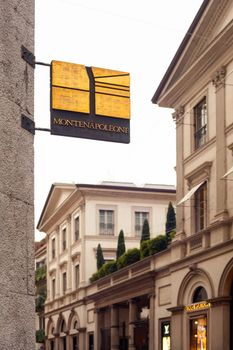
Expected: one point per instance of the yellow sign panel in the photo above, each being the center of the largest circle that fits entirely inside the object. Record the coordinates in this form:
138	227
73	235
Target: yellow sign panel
112	106
198	306
99	91
70	100
111	77
70	75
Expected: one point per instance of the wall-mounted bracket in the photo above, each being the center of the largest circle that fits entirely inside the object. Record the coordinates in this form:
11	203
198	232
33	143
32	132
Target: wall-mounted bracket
28	124
28	56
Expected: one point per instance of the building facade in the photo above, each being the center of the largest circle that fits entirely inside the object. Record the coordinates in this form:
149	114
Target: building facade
76	218
41	290
198	85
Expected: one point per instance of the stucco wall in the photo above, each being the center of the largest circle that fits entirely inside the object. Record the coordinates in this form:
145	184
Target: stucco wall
16	178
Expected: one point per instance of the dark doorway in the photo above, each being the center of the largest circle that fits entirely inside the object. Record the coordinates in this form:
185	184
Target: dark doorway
91	341
141	336
64	343
105	339
231	318
75	343
52	344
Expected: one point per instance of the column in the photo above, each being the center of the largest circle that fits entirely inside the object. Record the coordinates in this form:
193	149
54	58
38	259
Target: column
152	323
98	318
114	327
178	248
82	338
219	83
132	319
219	324
177	327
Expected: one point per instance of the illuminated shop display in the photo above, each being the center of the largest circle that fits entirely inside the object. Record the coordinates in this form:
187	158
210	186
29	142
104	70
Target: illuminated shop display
198	333
166	340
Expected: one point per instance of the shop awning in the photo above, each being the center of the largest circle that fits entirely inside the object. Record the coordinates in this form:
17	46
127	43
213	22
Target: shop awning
190	193
228	172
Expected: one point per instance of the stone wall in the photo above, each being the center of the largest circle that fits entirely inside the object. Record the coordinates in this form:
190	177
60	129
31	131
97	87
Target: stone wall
16	178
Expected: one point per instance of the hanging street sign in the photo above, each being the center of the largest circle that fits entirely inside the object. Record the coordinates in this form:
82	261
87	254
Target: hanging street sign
90	102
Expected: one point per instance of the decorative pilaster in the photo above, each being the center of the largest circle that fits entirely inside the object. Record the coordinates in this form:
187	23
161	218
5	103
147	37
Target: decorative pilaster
69	264
178	116
152	323
219	83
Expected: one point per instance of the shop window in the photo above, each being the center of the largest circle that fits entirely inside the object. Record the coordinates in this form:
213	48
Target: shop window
199	295
198	333
200	207
200	123
165	336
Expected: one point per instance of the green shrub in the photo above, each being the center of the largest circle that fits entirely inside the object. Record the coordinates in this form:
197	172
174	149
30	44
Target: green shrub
145	248
94	277
40	273
40	299
158	244
130	257
40	336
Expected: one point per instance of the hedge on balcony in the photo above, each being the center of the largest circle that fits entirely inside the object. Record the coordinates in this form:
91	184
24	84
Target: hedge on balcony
131	256
153	246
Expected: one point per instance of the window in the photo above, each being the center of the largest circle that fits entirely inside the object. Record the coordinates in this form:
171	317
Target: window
140	217
106	222
199	295
53	248
53	288
76	276
200	207
64	239
200	123
76	228
64	281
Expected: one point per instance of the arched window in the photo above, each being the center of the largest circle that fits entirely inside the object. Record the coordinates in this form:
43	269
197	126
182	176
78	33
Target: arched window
75	324
199	295
63	326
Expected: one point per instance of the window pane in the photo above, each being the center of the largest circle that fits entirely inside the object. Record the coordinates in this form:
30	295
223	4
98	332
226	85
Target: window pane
64	239
140	217
76	228
53	248
64	281
200	199
200	121
106	222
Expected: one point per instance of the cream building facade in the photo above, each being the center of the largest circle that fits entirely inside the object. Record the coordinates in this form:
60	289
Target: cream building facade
199	86
76	218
